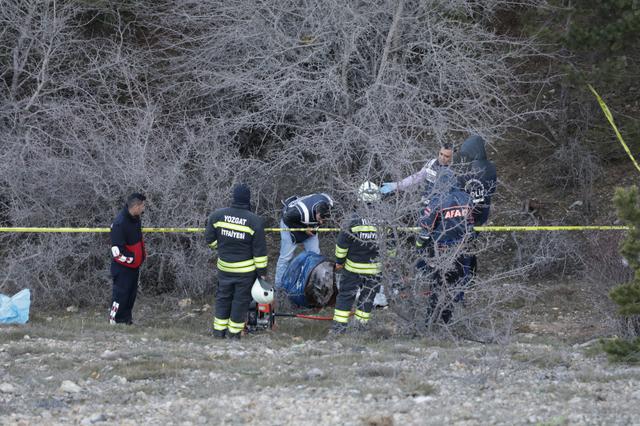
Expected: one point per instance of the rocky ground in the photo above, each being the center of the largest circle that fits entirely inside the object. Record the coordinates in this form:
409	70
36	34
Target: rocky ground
72	368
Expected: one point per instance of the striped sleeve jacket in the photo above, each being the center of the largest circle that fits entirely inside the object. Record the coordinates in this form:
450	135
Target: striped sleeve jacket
238	235
357	247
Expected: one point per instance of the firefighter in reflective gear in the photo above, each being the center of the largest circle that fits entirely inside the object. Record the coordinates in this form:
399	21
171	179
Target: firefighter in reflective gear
238	236
127	254
447	224
357	252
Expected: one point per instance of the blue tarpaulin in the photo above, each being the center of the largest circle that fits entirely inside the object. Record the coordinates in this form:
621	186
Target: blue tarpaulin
15	310
297	276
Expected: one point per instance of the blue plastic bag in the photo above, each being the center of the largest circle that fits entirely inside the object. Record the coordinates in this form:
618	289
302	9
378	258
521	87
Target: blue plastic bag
297	275
15	310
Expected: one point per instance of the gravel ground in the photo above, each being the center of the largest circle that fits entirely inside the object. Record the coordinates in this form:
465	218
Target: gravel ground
74	369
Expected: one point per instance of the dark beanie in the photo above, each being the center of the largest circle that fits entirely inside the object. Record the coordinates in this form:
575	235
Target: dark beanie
241	194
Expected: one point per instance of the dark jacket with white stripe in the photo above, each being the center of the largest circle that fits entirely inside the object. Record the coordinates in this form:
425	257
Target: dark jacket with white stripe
357	247
126	235
238	235
300	212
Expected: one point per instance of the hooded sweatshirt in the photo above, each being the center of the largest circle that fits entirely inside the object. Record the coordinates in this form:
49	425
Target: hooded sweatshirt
478	178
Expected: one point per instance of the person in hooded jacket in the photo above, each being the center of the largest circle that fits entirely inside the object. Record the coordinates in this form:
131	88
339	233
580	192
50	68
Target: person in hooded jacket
127	254
446	225
478	177
238	236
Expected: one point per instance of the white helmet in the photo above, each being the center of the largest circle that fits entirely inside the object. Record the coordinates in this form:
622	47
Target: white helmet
262	291
368	192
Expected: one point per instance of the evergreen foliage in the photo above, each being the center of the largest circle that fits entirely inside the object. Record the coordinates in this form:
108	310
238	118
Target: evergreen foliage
627	295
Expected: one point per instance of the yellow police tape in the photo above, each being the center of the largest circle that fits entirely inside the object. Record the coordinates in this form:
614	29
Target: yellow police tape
405	229
609	116
603	106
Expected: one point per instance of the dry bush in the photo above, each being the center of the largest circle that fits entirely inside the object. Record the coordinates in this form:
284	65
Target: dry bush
180	100
604	269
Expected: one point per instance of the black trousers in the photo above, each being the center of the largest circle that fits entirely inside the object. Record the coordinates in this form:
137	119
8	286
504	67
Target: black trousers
123	294
369	286
443	281
233	296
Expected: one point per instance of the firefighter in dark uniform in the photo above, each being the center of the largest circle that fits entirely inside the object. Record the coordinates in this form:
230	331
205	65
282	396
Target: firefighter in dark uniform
127	254
238	236
357	252
447	225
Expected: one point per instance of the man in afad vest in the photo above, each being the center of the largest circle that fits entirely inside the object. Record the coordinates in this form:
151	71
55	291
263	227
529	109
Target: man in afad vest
447	225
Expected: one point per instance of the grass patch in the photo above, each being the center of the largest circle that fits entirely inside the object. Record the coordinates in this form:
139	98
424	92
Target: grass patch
556	421
149	369
593	351
31	349
414	386
593	377
12	334
548	360
378	371
405	350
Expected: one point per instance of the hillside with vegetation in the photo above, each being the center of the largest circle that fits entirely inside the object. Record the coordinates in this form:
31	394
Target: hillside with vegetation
181	100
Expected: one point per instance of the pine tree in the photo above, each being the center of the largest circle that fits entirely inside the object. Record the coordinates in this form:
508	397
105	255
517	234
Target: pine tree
627	295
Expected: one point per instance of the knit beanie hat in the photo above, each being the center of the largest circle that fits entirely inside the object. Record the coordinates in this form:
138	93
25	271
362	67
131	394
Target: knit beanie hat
241	194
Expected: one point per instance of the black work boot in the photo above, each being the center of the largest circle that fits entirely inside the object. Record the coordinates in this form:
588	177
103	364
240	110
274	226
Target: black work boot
446	315
233	336
337	329
359	326
219	334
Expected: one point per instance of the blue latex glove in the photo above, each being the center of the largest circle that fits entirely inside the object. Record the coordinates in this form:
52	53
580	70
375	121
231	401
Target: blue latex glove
388	187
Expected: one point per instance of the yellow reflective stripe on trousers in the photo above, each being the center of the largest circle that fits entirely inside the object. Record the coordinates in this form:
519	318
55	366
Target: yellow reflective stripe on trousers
234	227
341	252
235	327
260	261
214	244
220	324
341	316
362	316
362	268
364	228
237	267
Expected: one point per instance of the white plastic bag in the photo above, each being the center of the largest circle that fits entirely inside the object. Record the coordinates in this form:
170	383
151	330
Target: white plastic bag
15	310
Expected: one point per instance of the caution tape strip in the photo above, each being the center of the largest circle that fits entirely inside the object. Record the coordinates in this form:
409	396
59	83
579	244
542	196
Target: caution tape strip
403	229
607	113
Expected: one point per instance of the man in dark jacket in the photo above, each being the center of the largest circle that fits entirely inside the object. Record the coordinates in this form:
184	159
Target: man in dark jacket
479	180
478	177
238	236
127	254
447	224
307	212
